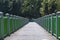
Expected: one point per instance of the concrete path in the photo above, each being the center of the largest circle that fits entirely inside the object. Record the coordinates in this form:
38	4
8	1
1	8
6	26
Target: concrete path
31	31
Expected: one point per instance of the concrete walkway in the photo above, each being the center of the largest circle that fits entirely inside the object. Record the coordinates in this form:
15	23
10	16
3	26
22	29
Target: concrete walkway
31	31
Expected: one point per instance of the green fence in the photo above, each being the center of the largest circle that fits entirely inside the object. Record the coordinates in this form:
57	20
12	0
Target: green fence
10	24
51	23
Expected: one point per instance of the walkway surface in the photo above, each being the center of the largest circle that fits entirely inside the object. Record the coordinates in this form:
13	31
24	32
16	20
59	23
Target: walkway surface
31	31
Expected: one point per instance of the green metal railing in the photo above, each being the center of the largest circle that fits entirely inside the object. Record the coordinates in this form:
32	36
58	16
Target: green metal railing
10	23
51	23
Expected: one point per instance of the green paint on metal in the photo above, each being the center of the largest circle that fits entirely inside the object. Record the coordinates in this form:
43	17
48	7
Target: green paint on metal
0	27
5	26
59	27
54	25
47	23
50	24
19	22
11	29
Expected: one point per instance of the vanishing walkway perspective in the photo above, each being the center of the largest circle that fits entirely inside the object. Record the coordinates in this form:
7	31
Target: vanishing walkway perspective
31	31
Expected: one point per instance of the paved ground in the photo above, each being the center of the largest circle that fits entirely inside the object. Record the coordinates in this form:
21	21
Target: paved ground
31	31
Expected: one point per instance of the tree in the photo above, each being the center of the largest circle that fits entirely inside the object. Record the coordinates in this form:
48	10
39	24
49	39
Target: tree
46	9
4	7
15	8
32	8
53	7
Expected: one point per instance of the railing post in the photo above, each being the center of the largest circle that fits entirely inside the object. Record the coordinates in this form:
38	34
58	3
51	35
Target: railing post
15	22
53	14
2	25
8	16
57	24
48	23
12	22
51	23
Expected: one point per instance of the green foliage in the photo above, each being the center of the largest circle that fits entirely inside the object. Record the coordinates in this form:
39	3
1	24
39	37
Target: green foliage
31	7
26	8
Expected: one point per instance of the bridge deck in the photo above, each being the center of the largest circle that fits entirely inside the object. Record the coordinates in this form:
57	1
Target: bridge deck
31	31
